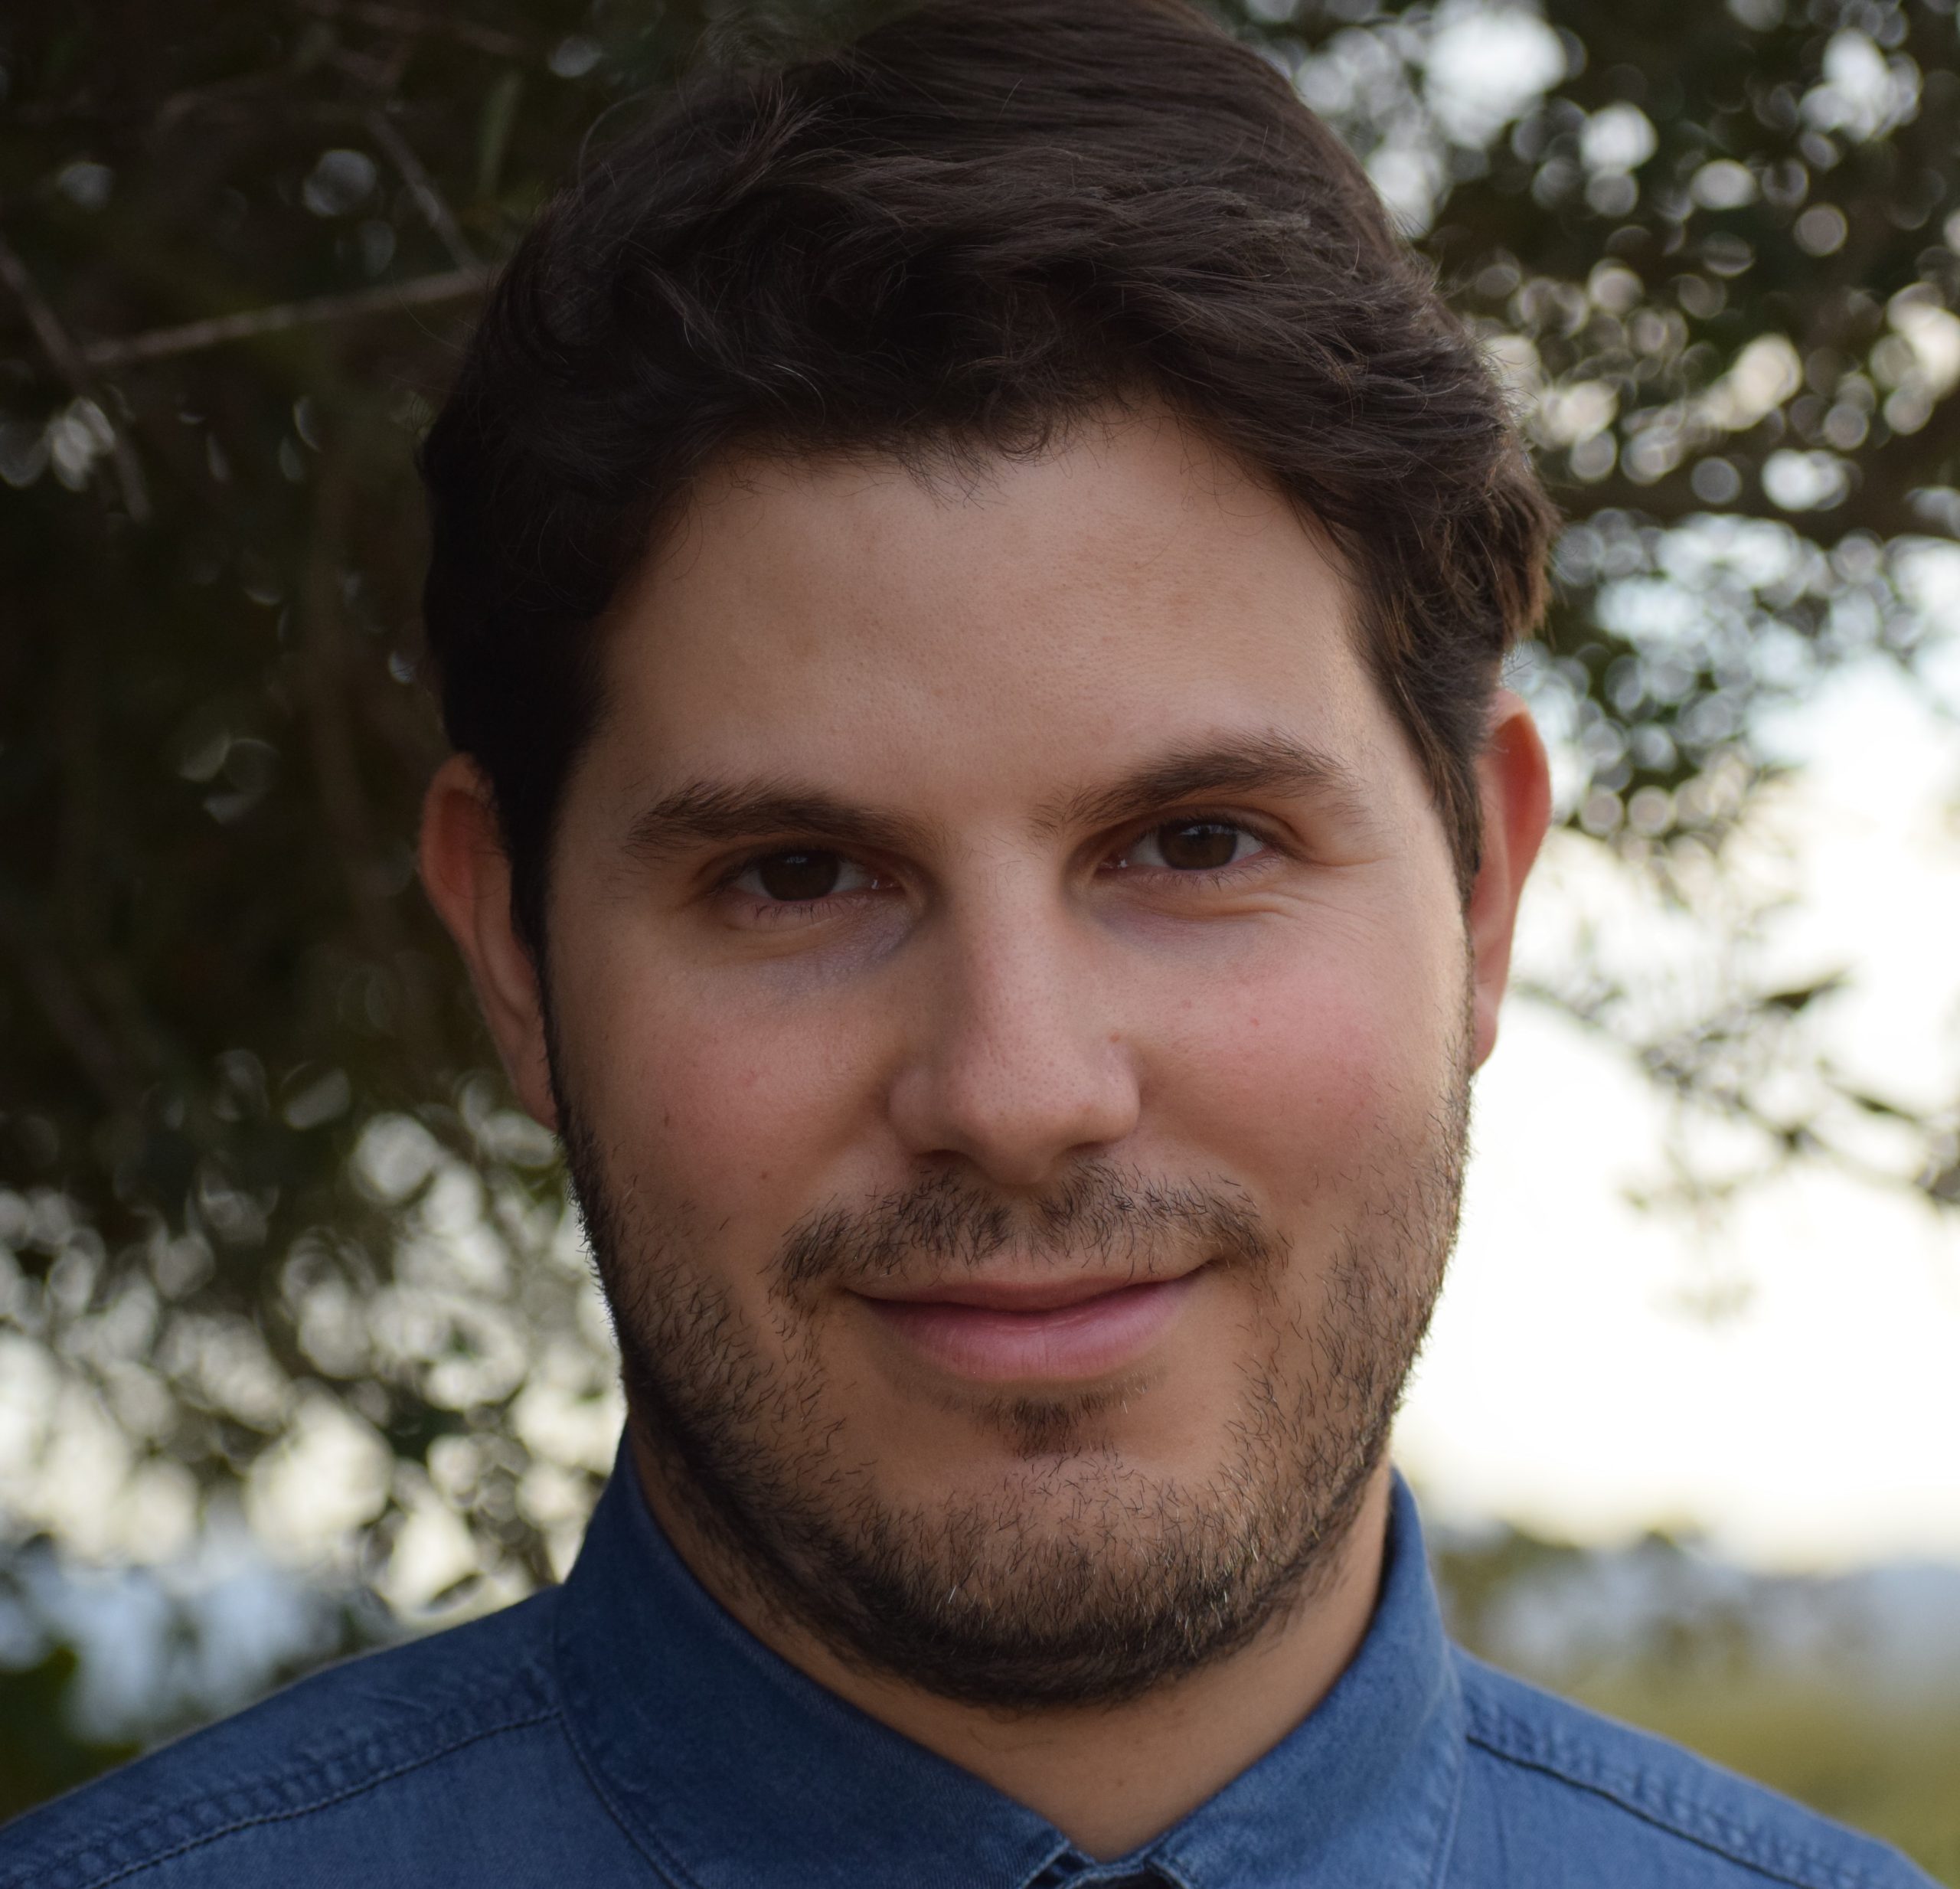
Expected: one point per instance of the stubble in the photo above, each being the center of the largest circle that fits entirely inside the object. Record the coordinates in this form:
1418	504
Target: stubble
1080	1579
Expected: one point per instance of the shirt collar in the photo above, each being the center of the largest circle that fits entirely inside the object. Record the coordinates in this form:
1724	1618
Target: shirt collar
729	1766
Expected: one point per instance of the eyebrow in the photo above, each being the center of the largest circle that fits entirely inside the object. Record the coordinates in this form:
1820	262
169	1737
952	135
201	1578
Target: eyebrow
710	813
1271	763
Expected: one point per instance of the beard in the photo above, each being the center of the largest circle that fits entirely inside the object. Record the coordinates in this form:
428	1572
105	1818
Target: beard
1082	1578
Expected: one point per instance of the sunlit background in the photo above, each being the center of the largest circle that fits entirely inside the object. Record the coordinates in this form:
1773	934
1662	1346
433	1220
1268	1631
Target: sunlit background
297	1348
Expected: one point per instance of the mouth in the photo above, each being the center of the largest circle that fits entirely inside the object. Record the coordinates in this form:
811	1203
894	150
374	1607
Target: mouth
1047	1330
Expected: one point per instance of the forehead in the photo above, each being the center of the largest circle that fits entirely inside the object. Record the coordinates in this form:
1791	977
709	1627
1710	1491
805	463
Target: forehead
984	635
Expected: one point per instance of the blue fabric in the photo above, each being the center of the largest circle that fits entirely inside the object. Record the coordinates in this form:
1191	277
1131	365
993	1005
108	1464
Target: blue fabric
624	1730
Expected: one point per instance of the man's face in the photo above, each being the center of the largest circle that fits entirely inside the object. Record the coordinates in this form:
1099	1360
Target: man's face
1009	1005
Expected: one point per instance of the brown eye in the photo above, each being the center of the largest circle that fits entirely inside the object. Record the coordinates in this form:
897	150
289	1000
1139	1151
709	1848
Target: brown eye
792	877
1198	845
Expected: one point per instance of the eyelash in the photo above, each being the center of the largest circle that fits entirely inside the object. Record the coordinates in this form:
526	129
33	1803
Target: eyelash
1269	847
787	912
804	911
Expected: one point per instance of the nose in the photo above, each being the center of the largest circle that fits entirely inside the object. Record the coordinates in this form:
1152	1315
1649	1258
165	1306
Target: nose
1012	1065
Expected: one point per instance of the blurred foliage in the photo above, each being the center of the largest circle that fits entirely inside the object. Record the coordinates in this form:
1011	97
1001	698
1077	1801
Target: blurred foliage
76	1700
40	1755
268	1226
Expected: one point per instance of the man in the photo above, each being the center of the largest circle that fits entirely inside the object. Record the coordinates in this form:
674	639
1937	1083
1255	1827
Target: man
969	581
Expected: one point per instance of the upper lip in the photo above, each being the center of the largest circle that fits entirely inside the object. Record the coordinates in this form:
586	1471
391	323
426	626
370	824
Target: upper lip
1007	1295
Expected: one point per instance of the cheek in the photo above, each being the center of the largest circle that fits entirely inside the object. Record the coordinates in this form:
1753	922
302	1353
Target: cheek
1313	1070
731	1112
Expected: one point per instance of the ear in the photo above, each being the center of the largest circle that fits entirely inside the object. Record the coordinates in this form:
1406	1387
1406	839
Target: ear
467	875
1515	790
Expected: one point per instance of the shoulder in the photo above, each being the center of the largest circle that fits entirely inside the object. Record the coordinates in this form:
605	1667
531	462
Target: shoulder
381	1753
1563	1794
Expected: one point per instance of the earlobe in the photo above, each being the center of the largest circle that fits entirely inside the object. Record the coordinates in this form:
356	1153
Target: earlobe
467	876
1515	790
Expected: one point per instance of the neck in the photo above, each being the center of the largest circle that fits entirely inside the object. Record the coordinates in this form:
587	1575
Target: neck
1109	1779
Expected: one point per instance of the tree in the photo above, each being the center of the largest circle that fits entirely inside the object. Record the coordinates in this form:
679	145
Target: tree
271	1221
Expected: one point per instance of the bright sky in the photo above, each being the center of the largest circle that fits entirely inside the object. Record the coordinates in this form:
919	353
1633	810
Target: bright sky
1571	1384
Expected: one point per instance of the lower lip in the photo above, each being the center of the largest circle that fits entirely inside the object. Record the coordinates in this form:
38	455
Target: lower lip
1088	1339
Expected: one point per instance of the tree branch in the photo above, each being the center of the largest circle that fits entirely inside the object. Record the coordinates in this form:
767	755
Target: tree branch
395	19
70	363
161	342
344	801
185	104
47	974
428	199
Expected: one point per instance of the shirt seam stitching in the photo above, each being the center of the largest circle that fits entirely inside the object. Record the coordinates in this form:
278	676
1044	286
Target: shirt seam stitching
1715	1846
1446	1848
119	1873
648	1845
569	1692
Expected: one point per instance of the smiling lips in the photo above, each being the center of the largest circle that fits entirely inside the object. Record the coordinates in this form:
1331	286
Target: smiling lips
1001	1333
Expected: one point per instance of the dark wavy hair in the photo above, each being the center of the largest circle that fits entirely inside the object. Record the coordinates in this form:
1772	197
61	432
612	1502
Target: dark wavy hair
979	222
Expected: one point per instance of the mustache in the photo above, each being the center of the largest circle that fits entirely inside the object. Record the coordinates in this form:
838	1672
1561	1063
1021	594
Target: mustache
1100	1211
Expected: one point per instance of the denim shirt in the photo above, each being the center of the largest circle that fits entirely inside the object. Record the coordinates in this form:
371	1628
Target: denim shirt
624	1730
